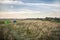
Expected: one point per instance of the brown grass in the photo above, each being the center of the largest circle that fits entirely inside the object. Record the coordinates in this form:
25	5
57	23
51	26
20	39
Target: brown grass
29	30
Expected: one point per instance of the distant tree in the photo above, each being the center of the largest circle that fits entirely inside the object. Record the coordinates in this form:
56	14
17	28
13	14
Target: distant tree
52	19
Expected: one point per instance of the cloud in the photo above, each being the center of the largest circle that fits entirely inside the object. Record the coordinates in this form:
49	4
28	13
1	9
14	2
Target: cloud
28	9
10	2
54	14
55	3
26	13
42	4
22	11
32	6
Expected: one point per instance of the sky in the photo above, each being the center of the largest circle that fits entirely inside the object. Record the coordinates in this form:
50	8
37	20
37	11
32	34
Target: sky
29	8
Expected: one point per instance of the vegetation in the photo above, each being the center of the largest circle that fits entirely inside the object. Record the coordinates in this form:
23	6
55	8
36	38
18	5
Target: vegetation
46	19
28	30
52	19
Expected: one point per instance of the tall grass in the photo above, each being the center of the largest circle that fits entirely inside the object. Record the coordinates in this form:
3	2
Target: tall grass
28	30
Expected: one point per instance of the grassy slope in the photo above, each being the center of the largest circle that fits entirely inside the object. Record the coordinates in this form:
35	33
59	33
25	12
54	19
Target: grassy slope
28	30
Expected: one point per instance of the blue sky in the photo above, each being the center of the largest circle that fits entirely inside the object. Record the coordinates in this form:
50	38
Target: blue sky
30	8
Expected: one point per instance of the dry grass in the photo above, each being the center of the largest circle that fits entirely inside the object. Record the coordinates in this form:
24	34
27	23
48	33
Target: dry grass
29	30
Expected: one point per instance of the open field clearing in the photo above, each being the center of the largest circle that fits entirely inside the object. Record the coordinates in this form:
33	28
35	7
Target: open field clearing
29	30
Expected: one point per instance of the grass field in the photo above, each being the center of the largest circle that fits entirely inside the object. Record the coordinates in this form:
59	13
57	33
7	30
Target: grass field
29	30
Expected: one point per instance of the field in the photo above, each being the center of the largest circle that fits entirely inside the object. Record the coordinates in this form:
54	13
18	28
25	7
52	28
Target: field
29	30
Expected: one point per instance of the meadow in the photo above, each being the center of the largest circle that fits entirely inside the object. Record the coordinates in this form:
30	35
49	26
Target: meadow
29	30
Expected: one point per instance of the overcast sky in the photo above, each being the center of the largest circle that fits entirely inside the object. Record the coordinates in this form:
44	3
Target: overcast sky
29	8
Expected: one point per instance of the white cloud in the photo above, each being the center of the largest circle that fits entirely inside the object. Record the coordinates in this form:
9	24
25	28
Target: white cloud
42	4
10	2
26	13
6	0
31	13
22	11
54	4
20	14
54	14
